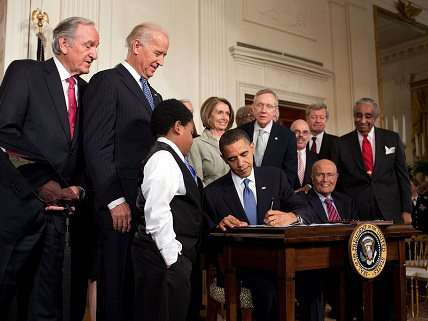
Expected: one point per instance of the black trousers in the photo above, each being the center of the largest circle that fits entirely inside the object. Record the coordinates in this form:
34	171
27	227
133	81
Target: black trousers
115	282
161	293
13	257
45	294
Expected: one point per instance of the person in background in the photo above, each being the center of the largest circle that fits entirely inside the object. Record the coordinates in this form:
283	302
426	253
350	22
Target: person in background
116	137
372	168
217	116
41	101
244	115
305	158
275	145
321	143
420	206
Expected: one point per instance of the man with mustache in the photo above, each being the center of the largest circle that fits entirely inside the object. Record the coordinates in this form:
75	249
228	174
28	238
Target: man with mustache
372	168
117	137
40	110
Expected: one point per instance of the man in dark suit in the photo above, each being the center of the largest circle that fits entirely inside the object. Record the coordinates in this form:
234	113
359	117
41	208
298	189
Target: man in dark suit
260	195
321	143
328	205
275	145
372	168
117	136
40	106
305	158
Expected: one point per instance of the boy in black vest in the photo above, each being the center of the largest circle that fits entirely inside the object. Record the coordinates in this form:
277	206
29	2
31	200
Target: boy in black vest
170	218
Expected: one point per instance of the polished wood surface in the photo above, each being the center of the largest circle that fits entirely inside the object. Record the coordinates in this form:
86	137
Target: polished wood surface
288	250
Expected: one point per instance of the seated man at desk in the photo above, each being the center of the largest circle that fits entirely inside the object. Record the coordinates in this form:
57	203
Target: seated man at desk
253	196
327	205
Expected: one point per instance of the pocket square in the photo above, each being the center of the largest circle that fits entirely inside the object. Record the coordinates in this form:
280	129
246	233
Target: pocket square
389	150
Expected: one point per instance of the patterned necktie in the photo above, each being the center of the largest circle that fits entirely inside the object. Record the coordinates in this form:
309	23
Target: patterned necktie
314	145
147	92
191	170
367	153
72	105
260	147
300	167
250	205
333	215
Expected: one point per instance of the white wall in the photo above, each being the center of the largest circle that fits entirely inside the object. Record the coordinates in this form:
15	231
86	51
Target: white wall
204	58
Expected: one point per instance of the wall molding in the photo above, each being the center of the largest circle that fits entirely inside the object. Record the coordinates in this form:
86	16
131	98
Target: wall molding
277	61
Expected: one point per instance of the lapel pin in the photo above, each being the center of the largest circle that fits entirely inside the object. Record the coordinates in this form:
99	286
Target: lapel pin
276	138
263	187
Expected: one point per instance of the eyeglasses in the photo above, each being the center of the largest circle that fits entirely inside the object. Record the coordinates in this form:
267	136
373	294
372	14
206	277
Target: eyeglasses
268	106
325	175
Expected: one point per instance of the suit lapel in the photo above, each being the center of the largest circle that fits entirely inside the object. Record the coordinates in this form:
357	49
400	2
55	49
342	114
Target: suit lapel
132	85
338	202
356	150
273	142
231	198
54	85
315	202
264	194
379	151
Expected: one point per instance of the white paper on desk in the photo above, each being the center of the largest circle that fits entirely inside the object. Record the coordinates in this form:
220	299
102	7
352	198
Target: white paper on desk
264	225
258	225
325	224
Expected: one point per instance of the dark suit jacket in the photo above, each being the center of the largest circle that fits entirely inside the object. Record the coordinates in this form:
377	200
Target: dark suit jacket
33	119
311	158
328	148
20	207
388	186
117	134
281	149
221	198
32	104
344	205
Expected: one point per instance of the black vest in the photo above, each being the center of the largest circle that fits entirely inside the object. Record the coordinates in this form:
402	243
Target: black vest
186	209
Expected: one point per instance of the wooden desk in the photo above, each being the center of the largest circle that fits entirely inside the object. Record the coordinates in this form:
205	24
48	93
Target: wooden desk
286	251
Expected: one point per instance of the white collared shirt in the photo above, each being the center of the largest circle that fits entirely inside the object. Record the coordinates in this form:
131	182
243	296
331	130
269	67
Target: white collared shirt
318	141
267	130
163	179
302	154
371	139
239	186
133	72
322	199
64	75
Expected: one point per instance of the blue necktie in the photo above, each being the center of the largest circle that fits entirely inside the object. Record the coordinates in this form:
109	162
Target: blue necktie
250	205
147	92
191	170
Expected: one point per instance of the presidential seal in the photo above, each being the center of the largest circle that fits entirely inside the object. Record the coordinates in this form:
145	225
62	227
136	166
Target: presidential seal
367	250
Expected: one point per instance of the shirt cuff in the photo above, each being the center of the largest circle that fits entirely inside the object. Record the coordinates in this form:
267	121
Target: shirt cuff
170	252
115	203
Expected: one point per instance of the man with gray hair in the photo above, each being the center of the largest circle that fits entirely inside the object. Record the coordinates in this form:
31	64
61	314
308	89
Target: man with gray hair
372	168
117	137
320	143
40	108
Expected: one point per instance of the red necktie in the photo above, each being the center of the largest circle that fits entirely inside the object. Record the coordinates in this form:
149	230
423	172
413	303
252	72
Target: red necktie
333	215
314	145
72	105
367	153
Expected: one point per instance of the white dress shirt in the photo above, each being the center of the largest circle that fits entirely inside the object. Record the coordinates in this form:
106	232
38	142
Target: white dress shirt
137	77
162	181
318	141
239	186
64	75
371	139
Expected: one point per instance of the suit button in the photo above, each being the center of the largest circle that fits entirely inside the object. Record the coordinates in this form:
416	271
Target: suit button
15	188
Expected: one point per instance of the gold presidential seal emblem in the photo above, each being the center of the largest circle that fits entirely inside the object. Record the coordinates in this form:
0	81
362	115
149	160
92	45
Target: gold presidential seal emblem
367	250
